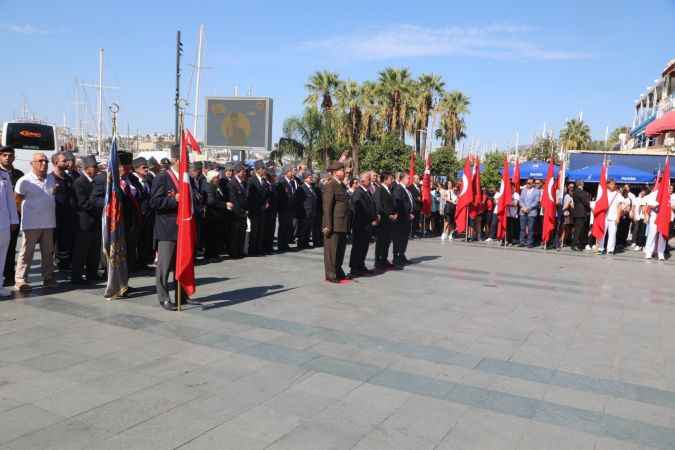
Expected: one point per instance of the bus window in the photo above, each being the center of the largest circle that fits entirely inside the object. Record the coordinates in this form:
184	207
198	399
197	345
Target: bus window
30	136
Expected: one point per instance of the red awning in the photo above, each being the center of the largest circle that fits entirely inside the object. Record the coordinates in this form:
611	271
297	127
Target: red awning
662	125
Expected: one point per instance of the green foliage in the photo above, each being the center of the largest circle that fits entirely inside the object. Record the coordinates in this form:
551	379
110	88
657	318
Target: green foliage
492	162
444	162
389	154
576	135
542	149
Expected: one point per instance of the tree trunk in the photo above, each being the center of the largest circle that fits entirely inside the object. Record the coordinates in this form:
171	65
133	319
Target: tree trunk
355	159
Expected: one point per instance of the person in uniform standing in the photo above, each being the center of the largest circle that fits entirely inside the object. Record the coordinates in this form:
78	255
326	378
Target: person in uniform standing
404	207
7	156
87	251
237	206
286	188
258	203
65	212
364	218
335	216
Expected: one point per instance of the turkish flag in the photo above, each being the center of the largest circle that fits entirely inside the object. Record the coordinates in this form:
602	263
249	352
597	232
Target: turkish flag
665	209
549	204
516	175
464	199
411	169
426	187
191	141
505	199
477	191
601	205
185	247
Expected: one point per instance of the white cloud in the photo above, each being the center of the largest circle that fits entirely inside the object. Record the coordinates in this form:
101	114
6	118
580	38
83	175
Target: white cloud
400	41
23	29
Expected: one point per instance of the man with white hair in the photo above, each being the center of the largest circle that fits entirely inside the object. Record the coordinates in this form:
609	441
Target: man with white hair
364	218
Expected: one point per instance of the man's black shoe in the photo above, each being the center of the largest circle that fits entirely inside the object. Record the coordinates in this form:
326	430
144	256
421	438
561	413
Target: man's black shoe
168	306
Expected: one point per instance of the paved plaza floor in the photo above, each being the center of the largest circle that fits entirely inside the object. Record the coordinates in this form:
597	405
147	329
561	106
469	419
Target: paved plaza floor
472	347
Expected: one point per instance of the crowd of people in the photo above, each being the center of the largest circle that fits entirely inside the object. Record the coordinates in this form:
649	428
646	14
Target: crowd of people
256	211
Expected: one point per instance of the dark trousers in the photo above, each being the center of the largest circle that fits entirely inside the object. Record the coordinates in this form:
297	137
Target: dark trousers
512	230
86	255
360	243
10	259
382	243
255	237
166	264
622	231
400	239
527	229
317	234
146	245
304	231
285	230
214	228
64	236
334	254
639	236
269	226
236	237
580	232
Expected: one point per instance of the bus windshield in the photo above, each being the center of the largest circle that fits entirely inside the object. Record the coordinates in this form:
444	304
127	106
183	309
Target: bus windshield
30	136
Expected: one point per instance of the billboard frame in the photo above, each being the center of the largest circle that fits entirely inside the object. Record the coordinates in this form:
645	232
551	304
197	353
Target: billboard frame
268	131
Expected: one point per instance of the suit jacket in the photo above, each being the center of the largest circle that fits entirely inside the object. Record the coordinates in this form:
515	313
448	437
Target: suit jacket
384	204
199	187
307	202
163	201
335	207
256	196
215	203
129	212
88	212
237	196
582	204
417	198
402	203
530	199
363	207
143	189
286	201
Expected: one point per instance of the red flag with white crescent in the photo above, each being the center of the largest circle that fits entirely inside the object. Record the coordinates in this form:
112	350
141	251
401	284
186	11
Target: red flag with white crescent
426	187
505	199
465	198
185	247
665	209
549	204
191	141
601	205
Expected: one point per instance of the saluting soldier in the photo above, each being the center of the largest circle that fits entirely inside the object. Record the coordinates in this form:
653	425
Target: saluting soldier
87	251
364	218
335	212
237	206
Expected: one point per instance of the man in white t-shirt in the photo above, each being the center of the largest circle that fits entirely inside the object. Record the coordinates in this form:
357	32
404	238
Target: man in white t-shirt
35	193
614	200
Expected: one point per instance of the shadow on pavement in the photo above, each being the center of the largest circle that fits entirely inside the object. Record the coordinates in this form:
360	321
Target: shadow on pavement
241	296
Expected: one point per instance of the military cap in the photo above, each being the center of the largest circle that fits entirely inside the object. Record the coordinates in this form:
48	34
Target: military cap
89	161
337	165
165	162
124	158
138	162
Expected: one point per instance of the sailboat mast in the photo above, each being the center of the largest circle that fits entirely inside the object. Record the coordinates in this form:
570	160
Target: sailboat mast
99	118
199	70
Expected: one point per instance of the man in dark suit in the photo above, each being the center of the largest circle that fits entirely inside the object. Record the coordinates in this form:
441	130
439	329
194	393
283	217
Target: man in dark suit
416	194
580	214
270	214
307	209
384	203
258	203
404	207
237	205
335	215
87	251
286	189
141	181
199	193
364	218
64	197
317	234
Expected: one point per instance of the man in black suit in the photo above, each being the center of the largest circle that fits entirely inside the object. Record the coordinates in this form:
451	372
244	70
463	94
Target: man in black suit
307	203
87	251
258	203
384	203
164	200
404	207
416	194
364	218
286	188
580	214
141	181
64	197
317	234
237	205
270	215
199	193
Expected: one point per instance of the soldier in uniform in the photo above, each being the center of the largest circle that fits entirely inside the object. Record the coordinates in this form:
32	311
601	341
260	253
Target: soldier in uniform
7	156
335	212
364	218
237	206
87	251
258	203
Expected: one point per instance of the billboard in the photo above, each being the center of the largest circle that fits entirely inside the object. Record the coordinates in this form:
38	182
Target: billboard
239	123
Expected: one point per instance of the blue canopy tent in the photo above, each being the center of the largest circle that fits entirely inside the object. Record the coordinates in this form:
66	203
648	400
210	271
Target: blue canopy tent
618	172
536	170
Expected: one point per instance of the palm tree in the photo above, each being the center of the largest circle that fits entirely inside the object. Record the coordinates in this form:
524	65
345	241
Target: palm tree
576	135
321	86
453	106
395	85
371	109
302	136
429	90
348	95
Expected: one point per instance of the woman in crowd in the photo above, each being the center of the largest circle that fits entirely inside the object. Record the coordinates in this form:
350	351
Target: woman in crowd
449	204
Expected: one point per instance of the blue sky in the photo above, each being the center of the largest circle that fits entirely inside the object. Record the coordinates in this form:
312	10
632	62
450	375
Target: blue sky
522	63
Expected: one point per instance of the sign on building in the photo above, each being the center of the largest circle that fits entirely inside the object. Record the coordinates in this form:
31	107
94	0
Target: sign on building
239	123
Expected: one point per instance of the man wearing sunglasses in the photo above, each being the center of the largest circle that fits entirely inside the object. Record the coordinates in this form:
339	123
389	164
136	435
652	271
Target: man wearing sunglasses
35	194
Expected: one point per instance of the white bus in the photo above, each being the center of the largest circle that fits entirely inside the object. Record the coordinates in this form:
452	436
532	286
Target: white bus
28	138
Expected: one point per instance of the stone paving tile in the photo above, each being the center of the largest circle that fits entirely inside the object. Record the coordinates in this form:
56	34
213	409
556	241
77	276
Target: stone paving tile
24	419
54	361
67	435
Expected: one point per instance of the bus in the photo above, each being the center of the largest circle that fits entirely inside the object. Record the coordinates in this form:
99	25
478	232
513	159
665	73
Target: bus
28	138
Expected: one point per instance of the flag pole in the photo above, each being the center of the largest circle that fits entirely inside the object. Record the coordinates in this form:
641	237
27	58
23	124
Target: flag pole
180	136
